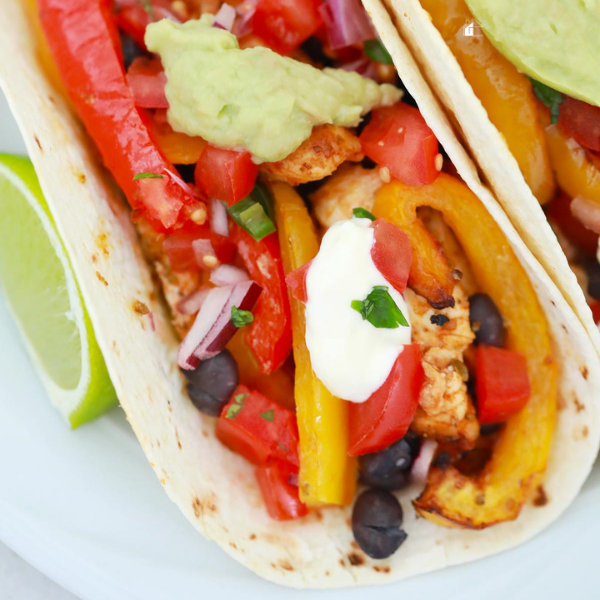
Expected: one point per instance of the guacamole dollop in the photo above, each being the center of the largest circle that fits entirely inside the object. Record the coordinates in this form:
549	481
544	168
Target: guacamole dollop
556	42
253	98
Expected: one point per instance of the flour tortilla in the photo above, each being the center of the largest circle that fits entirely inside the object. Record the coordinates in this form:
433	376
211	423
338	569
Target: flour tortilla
499	166
213	487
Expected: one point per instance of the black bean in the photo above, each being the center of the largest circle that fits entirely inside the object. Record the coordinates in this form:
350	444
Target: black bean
486	321
593	287
376	523
130	49
212	383
388	469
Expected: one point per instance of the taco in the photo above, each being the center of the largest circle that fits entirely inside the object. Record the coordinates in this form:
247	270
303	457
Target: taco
361	329
520	81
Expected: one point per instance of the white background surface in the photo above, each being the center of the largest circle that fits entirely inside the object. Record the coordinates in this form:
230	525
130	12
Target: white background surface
85	508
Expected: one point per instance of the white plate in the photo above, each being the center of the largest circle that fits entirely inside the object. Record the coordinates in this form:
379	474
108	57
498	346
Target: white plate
85	508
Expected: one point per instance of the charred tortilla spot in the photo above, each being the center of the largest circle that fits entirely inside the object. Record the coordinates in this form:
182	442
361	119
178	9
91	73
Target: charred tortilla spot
197	506
82	178
100	278
140	308
102	240
39	144
381	568
233	545
540	498
252	536
285	564
342	562
355	545
578	405
356	560
327	573
584	372
94	258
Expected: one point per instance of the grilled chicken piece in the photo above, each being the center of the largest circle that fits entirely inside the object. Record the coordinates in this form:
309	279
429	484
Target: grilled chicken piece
317	157
445	409
175	286
350	187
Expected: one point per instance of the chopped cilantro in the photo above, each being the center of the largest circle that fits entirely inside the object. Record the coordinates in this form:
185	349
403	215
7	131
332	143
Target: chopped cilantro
147	176
380	309
376	51
268	416
241	318
362	213
551	98
252	213
236	407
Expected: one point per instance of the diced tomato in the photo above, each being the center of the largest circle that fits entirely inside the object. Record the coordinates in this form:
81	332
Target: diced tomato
391	253
133	16
180	251
559	213
227	175
502	384
386	416
280	496
258	428
270	336
581	121
296	281
398	138
284	24
146	78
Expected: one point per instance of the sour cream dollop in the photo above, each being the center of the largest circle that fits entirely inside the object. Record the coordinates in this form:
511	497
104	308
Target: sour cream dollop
349	355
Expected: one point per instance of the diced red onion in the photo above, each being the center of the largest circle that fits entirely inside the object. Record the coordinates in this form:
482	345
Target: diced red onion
225	17
362	66
218	217
228	275
588	212
213	327
192	303
205	253
347	23
183	185
245	12
420	467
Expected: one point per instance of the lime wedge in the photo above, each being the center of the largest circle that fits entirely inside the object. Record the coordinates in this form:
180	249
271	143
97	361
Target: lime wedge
42	293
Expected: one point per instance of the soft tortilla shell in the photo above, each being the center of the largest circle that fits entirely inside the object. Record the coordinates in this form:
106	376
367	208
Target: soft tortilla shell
214	488
499	166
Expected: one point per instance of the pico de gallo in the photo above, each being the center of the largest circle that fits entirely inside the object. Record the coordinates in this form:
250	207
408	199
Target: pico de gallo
348	310
554	137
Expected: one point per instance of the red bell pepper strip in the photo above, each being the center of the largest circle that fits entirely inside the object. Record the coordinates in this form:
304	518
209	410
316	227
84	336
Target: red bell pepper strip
280	495
501	384
386	416
258	429
270	336
228	175
391	253
85	44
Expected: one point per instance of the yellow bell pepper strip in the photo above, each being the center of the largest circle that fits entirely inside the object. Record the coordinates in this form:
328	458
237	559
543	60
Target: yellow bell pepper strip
505	93
179	148
577	171
277	385
520	455
327	474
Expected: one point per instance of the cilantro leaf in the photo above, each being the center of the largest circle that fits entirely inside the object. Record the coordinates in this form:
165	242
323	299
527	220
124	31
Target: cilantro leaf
551	98
380	309
147	176
268	416
236	408
376	51
362	213
241	318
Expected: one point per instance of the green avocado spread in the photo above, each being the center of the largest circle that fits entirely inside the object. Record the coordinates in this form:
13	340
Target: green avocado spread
556	42
253	98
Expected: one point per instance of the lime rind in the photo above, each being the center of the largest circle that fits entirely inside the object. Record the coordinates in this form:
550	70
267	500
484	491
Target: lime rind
76	377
